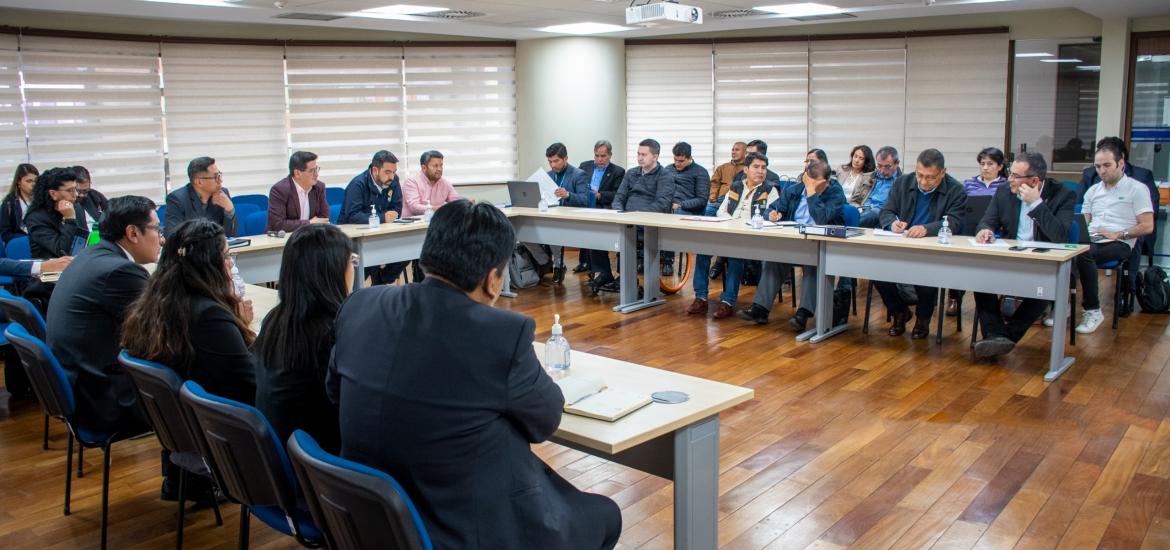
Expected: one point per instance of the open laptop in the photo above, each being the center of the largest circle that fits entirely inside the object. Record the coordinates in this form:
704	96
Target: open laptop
1083	236
525	194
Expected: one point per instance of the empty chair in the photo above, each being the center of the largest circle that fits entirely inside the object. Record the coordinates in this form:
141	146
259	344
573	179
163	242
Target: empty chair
254	223
357	506
335	195
258	200
23	312
242	212
249	464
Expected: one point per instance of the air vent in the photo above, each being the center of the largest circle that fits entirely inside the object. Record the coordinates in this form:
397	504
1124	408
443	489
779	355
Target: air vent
308	16
735	14
452	14
825	17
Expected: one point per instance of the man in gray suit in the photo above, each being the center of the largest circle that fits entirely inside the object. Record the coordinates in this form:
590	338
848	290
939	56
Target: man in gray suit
204	196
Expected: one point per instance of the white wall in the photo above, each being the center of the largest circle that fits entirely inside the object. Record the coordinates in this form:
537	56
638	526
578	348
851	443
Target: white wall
571	90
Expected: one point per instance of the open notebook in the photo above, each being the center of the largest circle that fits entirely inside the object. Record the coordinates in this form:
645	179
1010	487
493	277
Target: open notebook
588	396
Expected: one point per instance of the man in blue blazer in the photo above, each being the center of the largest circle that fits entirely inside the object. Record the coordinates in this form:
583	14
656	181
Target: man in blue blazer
376	188
572	190
444	392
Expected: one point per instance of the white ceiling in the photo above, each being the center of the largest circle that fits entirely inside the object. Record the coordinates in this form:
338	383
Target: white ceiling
519	19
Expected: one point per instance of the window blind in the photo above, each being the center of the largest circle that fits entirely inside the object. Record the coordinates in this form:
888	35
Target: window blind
669	97
761	92
345	103
228	103
96	103
462	103
13	149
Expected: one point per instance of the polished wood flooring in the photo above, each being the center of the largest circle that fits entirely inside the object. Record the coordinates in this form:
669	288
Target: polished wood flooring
861	441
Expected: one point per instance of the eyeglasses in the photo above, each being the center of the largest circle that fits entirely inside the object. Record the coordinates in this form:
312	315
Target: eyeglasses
151	227
314	170
355	260
218	177
1020	176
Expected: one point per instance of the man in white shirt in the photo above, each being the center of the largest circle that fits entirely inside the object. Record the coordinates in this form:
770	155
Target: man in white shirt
1118	211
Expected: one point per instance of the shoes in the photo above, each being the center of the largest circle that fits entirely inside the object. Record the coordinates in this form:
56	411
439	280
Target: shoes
990	348
898	322
1048	320
1090	320
698	306
921	329
725	310
559	274
667	270
799	321
581	268
952	307
756	313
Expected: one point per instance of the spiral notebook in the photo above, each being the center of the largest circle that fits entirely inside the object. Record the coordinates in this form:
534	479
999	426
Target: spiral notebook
591	397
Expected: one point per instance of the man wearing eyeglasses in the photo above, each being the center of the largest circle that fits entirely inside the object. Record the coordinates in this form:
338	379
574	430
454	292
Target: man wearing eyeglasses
204	196
298	199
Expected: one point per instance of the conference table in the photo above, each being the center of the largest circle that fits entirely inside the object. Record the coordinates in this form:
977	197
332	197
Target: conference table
679	442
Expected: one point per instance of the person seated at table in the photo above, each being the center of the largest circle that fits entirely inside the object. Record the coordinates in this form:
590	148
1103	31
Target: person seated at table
759	147
859	169
15	204
204	196
53	227
915	208
691	187
298	199
744	196
486	397
992	174
91	202
572	190
604	179
376	188
871	193
316	275
1031	207
428	187
816	201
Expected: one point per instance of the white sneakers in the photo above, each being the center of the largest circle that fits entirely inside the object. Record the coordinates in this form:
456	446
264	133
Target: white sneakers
1091	319
1048	322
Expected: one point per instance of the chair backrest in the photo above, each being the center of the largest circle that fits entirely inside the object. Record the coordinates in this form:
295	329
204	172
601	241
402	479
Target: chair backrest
23	312
255	222
48	379
162	214
973	213
245	210
18	249
334	212
241	448
357	506
258	200
158	392
334	195
852	215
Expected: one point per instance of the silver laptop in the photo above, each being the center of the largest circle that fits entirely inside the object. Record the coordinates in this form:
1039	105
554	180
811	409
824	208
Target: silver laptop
525	194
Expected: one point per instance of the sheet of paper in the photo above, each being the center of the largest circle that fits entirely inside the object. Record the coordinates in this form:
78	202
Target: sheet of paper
994	244
1040	244
703	219
884	233
548	187
775	224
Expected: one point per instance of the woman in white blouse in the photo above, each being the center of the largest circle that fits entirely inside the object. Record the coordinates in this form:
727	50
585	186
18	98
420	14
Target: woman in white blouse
860	167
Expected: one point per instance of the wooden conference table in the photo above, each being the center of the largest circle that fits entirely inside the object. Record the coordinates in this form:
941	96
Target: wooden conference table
678	442
959	265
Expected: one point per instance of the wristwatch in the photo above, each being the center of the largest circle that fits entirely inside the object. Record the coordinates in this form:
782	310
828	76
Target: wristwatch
1125	235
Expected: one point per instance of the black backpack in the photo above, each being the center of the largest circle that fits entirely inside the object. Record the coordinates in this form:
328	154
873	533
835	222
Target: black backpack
1153	291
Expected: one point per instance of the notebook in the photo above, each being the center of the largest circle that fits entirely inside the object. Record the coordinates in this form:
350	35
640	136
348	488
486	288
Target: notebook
590	397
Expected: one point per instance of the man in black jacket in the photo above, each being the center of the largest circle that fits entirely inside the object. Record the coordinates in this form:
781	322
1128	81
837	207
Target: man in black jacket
376	188
644	188
464	415
204	196
692	184
91	201
54	227
604	178
87	309
1030	208
915	207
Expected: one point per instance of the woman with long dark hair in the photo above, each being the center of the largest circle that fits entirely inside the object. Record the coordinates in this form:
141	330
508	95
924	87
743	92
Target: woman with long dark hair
316	275
15	204
860	168
53	228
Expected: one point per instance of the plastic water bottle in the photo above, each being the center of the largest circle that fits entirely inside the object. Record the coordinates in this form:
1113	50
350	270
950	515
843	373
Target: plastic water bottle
428	213
757	218
542	205
94	236
944	232
556	351
237	280
375	221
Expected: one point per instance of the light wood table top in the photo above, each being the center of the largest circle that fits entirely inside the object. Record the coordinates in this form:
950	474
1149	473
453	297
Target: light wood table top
960	244
654	219
263	300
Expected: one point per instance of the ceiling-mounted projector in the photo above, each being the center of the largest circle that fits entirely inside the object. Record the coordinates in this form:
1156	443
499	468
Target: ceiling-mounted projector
664	14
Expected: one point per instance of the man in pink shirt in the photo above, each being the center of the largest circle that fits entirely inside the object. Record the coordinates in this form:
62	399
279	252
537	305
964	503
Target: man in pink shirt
427	186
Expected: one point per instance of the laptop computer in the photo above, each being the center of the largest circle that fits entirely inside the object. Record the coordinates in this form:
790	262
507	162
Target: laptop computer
524	194
1083	236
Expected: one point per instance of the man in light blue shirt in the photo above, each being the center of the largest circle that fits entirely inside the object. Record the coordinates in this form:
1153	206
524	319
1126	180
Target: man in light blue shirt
884	176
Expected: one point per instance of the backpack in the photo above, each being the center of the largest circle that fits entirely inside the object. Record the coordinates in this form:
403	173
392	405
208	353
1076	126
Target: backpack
1153	291
522	268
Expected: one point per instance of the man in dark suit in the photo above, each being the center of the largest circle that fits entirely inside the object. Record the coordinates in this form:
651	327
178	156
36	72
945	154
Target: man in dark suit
604	179
204	196
376	188
1047	210
454	423
90	201
87	309
298	199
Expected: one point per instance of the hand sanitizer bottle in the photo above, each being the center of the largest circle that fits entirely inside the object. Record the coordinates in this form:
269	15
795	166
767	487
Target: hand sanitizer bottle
237	280
428	213
757	218
542	206
556	352
375	221
944	232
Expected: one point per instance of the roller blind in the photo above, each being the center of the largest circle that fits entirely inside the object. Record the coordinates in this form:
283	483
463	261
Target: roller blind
345	103
761	92
13	149
96	103
669	97
462	103
228	103
957	92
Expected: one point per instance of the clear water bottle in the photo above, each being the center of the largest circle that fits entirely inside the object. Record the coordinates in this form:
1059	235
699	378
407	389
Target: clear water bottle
556	352
542	205
428	213
944	232
375	221
757	218
237	280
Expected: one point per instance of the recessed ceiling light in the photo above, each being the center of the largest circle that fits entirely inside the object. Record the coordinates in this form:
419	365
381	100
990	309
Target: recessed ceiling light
584	28
400	10
1069	60
803	9
1034	54
216	3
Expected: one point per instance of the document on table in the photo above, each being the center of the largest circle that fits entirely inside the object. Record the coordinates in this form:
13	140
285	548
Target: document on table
1041	244
884	233
775	224
589	396
548	187
704	219
993	244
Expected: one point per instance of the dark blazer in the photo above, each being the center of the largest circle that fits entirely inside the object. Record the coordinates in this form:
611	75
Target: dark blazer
296	400
611	178
15	268
85	330
284	206
94	205
11	218
1051	219
51	236
576	182
454	423
223	364
826	207
949	199
361	193
184	204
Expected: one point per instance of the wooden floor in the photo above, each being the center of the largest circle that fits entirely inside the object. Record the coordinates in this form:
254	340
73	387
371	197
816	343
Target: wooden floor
861	441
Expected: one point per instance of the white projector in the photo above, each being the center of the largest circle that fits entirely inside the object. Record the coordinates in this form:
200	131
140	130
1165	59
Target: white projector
664	14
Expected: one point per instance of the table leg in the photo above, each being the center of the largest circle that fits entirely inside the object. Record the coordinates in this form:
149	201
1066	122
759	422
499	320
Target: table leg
650	271
1057	362
696	484
824	313
506	292
359	271
628	268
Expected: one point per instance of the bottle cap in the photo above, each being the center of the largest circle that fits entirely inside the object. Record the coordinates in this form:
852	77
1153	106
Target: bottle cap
556	328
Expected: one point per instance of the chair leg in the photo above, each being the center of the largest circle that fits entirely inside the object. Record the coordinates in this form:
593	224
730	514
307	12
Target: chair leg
853	296
959	313
244	527
45	442
215	508
792	270
68	470
1072	316
868	302
940	311
80	461
182	508
105	493
974	326
1118	299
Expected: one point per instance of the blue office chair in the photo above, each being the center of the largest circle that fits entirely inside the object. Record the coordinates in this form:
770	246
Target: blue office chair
158	392
334	195
162	215
18	248
52	388
23	312
5	279
255	223
249	464
334	212
358	506
245	210
258	200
